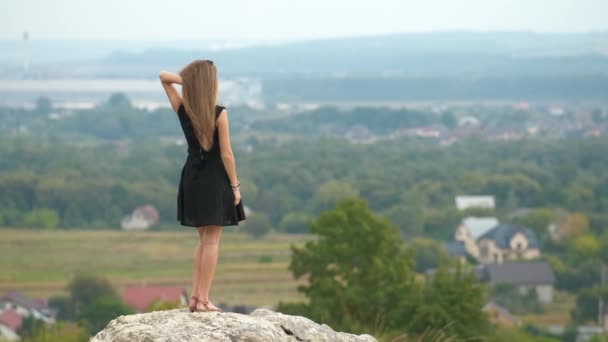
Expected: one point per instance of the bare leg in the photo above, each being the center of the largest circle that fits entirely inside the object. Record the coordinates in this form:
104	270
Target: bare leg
210	241
196	265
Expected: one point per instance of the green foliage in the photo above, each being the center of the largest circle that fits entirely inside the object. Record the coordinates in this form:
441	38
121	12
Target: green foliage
63	306
29	326
258	225
409	219
360	262
359	275
84	288
584	247
330	193
92	302
577	277
586	304
598	338
509	296
159	305
451	301
119	101
99	312
427	253
264	259
515	334
295	222
41	218
59	332
126	157
44	105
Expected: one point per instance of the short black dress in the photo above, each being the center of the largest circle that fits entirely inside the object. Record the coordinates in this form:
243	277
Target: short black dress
205	196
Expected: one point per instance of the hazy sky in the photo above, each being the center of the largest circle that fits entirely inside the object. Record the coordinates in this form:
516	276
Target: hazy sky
288	19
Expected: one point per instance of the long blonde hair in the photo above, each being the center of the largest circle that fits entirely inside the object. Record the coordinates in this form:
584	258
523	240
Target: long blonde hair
199	96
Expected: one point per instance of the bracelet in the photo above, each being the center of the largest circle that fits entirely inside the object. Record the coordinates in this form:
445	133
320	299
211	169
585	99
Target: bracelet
235	187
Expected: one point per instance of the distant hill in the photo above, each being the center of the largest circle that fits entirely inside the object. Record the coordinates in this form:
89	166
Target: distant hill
403	55
413	66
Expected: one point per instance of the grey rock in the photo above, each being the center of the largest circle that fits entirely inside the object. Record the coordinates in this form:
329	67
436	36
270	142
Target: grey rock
182	325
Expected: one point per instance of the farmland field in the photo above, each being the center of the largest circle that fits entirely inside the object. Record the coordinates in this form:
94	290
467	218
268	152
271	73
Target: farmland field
250	271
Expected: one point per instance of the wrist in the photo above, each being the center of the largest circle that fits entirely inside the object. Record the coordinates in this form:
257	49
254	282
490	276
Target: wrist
235	186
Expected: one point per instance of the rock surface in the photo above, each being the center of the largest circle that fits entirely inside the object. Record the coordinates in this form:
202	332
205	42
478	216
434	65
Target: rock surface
182	325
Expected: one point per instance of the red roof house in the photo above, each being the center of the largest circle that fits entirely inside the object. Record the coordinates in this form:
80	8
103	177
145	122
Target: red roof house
141	297
11	319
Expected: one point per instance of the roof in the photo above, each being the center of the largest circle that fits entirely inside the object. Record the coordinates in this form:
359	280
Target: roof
140	297
492	306
504	232
28	303
11	319
518	273
464	202
455	248
478	226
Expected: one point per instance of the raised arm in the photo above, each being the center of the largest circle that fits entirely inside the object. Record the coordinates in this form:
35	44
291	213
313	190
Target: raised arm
226	153
167	79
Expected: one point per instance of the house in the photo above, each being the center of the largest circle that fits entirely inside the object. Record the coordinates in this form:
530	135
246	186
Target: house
470	229
141	297
587	332
507	241
142	218
24	306
499	316
466	202
456	249
10	322
527	276
468	120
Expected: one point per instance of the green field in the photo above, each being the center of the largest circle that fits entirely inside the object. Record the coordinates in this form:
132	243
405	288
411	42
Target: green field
250	271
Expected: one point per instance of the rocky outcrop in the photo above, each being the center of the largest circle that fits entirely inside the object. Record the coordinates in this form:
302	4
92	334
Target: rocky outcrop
182	325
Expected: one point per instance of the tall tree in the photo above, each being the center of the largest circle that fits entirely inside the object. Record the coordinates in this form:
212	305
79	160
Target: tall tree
360	276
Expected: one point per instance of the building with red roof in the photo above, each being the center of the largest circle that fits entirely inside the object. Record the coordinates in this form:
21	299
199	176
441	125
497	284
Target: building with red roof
10	322
141	297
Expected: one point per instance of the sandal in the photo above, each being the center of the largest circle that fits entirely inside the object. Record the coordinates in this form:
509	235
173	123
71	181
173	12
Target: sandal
193	308
207	308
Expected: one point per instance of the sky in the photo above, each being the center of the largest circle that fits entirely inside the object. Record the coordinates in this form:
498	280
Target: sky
288	19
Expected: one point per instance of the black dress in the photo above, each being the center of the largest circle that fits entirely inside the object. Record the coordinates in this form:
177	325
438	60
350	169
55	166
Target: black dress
205	196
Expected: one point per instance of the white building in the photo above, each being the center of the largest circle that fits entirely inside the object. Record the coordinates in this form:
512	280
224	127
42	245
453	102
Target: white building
466	202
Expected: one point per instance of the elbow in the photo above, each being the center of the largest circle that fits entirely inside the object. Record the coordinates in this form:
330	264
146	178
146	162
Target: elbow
227	156
161	76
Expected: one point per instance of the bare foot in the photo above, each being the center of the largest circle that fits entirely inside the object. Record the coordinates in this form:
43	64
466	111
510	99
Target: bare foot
193	302
206	305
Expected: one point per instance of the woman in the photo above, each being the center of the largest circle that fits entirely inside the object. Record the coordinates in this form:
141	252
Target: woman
208	195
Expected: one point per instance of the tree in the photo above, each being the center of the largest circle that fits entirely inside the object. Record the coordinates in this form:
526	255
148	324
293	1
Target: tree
44	218
427	253
258	225
451	301
538	220
330	193
574	225
584	247
295	222
29	326
119	101
159	304
84	289
98	313
44	105
586	304
359	275
60	331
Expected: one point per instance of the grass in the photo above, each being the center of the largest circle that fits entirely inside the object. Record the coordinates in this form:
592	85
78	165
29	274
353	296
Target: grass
250	271
556	313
